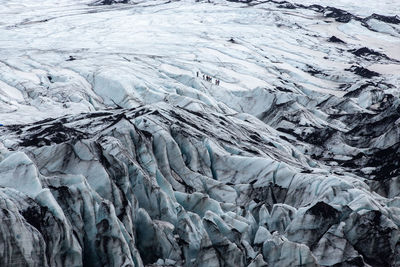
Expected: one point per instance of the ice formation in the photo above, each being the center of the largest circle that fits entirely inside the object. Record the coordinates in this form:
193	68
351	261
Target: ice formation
116	152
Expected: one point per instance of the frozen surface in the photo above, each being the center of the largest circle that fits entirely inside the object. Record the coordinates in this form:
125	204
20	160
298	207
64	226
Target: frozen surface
115	153
362	8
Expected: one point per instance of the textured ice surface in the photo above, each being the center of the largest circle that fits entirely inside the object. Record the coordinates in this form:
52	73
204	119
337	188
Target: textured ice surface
114	153
362	8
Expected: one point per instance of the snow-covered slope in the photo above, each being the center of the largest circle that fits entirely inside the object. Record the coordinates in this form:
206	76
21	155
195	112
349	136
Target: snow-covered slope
116	152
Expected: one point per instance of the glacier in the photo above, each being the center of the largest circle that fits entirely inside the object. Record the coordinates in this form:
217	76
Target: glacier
114	151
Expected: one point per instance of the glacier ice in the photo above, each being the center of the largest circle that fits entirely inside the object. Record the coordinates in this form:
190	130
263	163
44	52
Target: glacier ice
114	153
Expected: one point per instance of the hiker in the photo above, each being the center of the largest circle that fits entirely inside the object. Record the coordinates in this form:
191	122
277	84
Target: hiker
216	82
197	74
203	77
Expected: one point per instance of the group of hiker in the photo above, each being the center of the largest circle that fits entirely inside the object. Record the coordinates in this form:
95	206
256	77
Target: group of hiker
209	78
